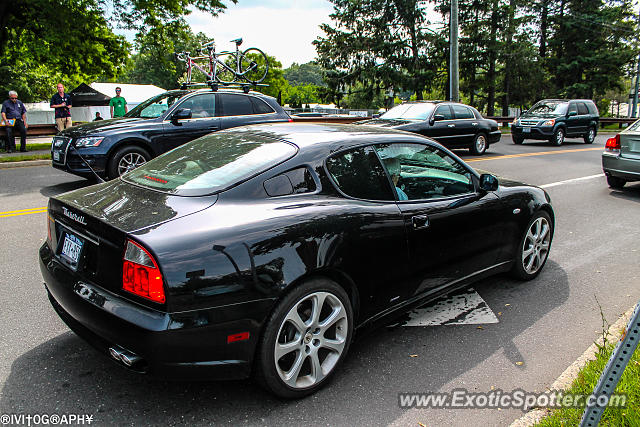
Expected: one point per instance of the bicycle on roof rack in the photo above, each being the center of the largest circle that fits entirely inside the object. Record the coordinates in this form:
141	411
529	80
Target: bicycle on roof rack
228	68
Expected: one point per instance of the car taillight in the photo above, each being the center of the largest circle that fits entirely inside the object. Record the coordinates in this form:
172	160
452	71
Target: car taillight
50	224
290	120
140	273
613	144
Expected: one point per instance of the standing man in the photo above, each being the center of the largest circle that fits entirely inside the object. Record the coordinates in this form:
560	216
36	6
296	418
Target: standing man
118	105
61	102
13	109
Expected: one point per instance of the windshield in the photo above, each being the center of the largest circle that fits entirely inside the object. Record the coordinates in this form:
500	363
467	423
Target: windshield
211	164
549	107
418	111
156	106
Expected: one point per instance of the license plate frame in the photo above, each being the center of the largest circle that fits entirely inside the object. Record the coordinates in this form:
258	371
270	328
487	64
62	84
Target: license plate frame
71	249
526	129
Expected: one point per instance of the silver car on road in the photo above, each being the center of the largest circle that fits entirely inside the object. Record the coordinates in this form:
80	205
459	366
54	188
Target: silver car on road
621	157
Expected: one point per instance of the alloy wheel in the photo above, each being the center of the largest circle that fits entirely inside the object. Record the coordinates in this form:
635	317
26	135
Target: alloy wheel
129	162
536	244
591	136
559	137
481	144
311	339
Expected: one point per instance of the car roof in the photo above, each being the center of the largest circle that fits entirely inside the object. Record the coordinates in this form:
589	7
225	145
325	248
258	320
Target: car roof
331	135
183	92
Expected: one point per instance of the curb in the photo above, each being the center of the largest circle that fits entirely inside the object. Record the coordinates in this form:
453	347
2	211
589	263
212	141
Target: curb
25	163
569	375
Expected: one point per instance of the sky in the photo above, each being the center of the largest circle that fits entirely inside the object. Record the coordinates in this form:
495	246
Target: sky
281	28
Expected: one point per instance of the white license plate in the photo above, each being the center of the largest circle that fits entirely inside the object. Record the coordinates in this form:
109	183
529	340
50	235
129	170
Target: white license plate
56	156
71	248
526	130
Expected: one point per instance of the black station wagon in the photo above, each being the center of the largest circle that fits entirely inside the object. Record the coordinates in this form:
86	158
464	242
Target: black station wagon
162	123
262	249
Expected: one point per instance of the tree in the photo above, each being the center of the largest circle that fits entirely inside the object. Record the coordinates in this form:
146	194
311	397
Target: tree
378	43
309	73
37	54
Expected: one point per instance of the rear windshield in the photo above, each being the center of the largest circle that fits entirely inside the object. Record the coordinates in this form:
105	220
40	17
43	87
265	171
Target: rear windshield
211	164
418	111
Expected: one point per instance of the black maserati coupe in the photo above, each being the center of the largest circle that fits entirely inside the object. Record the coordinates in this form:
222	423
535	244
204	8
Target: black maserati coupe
261	249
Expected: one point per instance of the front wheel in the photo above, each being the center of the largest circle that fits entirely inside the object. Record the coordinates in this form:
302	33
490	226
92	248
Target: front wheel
479	144
518	140
534	247
126	159
558	137
254	65
305	339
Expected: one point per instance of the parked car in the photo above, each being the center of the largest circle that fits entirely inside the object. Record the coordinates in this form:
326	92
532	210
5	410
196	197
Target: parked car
621	157
113	147
451	124
261	249
557	119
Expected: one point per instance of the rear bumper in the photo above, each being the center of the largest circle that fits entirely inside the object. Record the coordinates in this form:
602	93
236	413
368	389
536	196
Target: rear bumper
494	137
621	167
185	345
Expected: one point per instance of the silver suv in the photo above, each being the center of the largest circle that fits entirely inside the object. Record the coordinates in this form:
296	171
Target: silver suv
621	157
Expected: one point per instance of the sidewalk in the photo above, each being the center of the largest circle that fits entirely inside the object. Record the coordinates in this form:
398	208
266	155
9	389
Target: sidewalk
30	151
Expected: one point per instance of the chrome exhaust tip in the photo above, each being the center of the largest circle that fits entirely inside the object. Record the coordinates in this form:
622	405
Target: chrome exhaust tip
124	356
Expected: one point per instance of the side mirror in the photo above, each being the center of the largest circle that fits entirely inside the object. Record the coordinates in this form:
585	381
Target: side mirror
572	113
488	182
438	117
181	114
375	116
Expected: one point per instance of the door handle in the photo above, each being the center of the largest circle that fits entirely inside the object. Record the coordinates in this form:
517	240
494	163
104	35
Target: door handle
420	221
451	126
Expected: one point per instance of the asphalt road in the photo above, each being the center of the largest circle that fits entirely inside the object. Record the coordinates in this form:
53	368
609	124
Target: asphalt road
545	324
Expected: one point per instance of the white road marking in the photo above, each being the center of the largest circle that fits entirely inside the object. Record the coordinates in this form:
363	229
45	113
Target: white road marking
569	181
465	307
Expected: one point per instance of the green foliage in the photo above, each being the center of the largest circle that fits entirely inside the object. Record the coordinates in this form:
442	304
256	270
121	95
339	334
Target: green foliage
309	73
51	41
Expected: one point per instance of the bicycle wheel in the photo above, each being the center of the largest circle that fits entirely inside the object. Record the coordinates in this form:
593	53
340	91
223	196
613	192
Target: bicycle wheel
223	74
253	65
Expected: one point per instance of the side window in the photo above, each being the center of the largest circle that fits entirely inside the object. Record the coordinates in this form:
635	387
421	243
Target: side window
235	105
572	107
462	112
421	172
444	111
358	173
582	109
592	108
201	106
296	181
260	107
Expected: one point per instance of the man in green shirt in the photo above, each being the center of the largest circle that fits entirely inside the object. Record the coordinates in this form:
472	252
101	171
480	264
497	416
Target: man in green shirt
118	105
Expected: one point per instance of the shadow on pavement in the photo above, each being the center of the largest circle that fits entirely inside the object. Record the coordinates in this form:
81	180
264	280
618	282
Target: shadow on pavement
631	192
67	375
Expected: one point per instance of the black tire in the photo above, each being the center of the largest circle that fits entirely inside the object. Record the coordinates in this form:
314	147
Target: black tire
279	331
558	137
520	270
480	144
615	182
120	164
590	136
518	140
254	65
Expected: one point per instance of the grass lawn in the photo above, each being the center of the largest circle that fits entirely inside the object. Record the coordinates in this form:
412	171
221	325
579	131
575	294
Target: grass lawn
46	156
586	381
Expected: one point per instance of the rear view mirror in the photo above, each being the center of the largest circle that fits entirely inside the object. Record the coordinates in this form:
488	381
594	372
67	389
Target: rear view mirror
181	114
488	182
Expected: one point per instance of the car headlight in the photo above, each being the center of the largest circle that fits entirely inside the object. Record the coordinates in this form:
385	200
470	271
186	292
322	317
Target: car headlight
515	121
89	141
549	122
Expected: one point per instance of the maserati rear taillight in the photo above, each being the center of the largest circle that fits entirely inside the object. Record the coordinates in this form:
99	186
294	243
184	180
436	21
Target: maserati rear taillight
140	273
613	145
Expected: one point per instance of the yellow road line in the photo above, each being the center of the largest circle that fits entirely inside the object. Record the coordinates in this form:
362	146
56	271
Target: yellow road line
539	153
23	213
23	210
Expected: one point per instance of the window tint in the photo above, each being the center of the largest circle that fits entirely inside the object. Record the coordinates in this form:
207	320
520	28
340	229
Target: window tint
260	107
358	173
201	106
462	112
296	181
445	111
235	105
582	109
592	108
422	172
572	107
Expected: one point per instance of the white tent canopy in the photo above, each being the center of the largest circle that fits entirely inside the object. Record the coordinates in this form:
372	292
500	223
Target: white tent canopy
134	94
